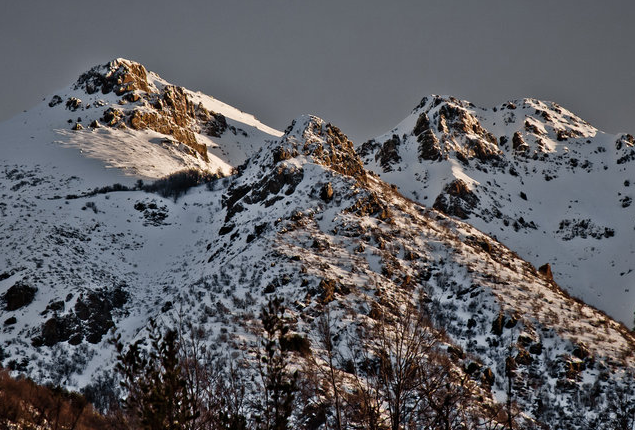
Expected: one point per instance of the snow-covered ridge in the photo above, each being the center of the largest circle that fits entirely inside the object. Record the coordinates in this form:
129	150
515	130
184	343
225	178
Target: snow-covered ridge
533	175
133	124
302	218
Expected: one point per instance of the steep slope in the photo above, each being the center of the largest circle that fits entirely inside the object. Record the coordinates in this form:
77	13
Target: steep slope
531	174
119	122
302	220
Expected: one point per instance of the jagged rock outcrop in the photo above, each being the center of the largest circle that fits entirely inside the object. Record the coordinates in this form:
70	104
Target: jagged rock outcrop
90	319
456	200
165	109
18	295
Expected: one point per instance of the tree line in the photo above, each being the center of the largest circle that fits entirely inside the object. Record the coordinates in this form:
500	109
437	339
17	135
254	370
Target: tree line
394	373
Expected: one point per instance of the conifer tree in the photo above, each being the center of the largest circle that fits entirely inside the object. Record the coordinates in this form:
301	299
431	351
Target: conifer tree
154	381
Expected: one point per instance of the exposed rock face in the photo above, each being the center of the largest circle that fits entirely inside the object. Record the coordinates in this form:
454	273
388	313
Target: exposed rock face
459	120
545	270
17	296
456	200
55	100
168	110
90	319
389	153
326	193
112	116
73	104
518	144
267	190
173	114
324	143
119	76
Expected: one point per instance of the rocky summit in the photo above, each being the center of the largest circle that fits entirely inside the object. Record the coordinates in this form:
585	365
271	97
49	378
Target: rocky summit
530	174
169	207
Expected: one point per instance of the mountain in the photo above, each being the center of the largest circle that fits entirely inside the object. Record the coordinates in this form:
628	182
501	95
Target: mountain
531	174
121	122
300	218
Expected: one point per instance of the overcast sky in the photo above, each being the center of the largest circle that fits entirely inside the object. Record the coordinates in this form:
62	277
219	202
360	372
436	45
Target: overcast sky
362	65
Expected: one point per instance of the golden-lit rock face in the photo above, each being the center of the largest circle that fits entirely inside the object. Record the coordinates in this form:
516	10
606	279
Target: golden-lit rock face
167	110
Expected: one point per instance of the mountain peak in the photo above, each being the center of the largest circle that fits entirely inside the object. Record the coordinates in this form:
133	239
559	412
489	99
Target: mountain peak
119	75
323	143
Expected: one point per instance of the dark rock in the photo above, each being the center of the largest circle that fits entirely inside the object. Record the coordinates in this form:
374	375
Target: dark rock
456	352
10	321
622	140
429	148
573	368
326	193
112	116
472	368
331	148
423	124
370	205
78	126
532	128
131	97
280	154
456	200
518	144
56	306
57	329
326	289
525	340
226	229
320	244
95	124
488	377
73	103
536	349
581	351
498	324
55	100
18	296
460	120
281	178
523	358
119	76
510	365
90	319
388	153
511	322
217	125
545	271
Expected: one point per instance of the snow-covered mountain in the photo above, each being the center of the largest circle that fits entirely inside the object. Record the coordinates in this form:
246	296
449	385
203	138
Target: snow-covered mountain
531	174
120	122
302	219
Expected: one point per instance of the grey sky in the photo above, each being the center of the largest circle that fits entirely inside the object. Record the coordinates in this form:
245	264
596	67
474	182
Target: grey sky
363	65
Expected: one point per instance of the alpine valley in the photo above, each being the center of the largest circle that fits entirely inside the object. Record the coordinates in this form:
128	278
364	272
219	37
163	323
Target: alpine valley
128	201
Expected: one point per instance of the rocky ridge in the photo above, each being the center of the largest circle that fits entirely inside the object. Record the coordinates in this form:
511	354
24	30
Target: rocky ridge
304	220
531	174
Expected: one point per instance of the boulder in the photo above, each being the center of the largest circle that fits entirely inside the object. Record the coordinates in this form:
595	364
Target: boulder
18	296
55	100
456	200
73	103
545	271
326	193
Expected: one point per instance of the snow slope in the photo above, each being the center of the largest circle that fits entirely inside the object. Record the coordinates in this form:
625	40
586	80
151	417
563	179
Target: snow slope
533	175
